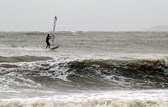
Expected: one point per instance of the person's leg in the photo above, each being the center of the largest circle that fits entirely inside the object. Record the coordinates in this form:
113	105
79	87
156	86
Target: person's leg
48	44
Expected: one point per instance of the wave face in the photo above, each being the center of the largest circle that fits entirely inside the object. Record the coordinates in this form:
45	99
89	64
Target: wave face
121	74
87	74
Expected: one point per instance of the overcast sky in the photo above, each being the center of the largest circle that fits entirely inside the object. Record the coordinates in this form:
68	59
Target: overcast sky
75	15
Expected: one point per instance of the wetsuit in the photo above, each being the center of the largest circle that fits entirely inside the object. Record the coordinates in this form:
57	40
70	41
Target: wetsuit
47	41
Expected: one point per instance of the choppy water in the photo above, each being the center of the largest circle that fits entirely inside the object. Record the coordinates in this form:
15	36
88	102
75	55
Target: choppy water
89	69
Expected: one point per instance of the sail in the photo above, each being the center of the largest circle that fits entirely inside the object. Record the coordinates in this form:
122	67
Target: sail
53	35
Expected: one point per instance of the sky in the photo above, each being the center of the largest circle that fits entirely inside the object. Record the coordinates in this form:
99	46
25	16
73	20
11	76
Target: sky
82	15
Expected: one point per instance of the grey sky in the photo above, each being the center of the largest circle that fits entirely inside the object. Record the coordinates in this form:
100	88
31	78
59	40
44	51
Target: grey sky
74	15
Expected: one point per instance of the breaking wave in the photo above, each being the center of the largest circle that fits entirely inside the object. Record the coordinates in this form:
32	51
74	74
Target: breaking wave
86	74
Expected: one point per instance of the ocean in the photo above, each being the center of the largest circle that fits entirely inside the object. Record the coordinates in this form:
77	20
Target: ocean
89	69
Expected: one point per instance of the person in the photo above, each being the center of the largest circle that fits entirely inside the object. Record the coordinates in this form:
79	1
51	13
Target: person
47	41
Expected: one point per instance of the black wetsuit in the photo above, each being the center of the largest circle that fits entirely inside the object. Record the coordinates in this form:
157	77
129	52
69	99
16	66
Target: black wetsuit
47	41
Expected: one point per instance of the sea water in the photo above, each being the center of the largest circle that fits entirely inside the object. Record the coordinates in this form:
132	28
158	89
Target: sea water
89	69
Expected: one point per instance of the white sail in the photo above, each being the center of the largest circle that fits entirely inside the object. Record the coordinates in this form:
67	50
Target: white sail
53	35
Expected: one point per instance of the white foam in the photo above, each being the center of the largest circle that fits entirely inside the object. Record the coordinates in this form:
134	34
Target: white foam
144	98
